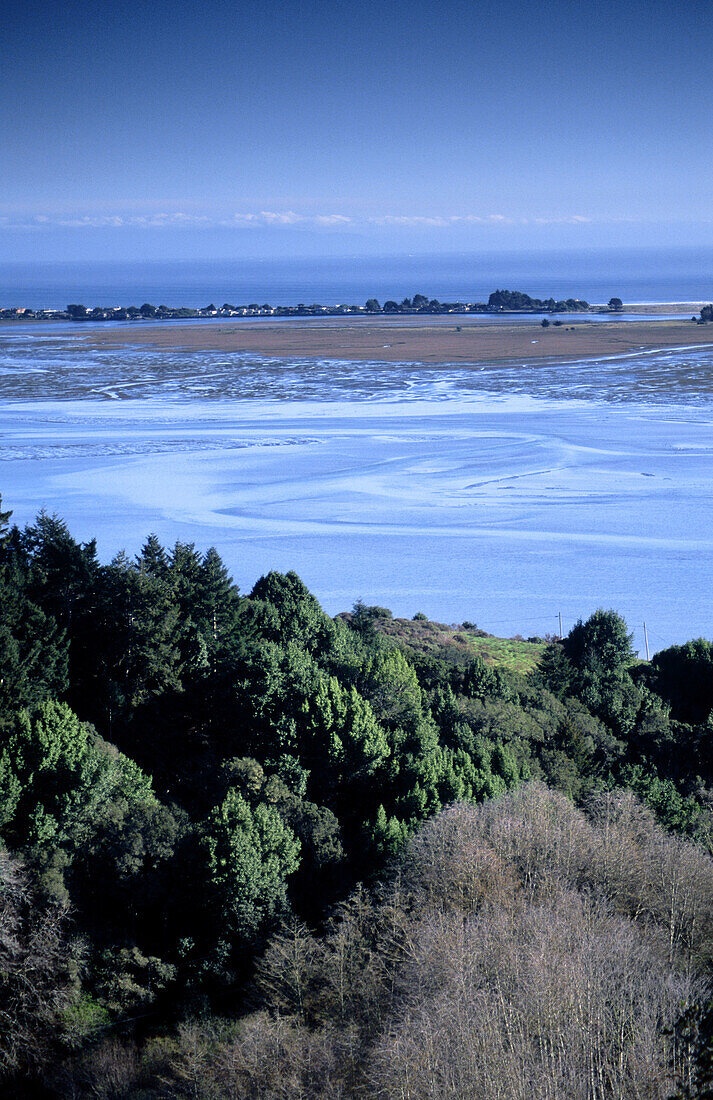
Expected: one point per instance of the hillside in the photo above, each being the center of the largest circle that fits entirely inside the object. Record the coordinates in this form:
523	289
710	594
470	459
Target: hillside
459	644
240	836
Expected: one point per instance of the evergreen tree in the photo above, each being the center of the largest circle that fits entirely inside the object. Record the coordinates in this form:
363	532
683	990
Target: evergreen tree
217	609
63	572
153	559
250	854
299	616
4	522
683	676
57	783
602	645
33	650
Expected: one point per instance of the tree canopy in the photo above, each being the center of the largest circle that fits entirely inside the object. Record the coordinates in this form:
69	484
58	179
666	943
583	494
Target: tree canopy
195	783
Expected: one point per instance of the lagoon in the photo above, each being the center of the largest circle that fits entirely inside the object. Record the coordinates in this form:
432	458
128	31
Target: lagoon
499	493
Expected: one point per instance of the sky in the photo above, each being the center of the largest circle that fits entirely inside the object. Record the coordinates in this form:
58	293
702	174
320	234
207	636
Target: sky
184	130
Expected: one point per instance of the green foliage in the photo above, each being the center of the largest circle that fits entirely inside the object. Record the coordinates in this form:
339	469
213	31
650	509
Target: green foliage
83	1020
141	642
422	638
129	981
59	780
477	681
322	858
290	755
4	522
683	676
592	665
33	650
517	300
249	854
391	686
388	835
299	616
677	812
62	571
124	877
344	743
556	671
601	645
364	619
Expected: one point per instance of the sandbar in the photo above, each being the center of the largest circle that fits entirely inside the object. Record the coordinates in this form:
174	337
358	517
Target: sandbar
438	340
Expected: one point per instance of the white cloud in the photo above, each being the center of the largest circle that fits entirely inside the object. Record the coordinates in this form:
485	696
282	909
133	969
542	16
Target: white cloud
441	221
287	217
272	219
332	219
572	219
409	220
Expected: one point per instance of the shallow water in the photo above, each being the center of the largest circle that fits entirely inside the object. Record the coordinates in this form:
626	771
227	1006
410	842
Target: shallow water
502	494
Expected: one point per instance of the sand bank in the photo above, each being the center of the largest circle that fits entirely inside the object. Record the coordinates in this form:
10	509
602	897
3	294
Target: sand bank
436	341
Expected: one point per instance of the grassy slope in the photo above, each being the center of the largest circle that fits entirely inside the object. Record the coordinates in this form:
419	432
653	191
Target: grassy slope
457	644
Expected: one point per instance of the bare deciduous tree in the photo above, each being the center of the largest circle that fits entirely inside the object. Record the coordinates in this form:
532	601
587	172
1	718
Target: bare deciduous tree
36	964
524	950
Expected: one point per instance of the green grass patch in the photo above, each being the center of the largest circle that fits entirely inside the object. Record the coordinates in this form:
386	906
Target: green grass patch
458	644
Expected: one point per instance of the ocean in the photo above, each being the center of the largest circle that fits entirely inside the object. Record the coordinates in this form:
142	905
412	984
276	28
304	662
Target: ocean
634	275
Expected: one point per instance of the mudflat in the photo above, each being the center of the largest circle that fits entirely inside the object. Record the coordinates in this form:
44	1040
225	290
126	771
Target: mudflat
446	340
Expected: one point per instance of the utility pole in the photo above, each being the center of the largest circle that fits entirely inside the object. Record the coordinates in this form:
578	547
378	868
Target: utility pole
646	640
560	615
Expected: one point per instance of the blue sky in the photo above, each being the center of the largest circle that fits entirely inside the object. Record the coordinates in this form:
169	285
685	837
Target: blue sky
182	130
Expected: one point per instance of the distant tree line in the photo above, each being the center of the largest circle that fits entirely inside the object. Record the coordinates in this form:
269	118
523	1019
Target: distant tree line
500	300
230	868
516	301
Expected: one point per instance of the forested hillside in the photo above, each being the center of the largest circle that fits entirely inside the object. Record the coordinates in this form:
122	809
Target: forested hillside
253	851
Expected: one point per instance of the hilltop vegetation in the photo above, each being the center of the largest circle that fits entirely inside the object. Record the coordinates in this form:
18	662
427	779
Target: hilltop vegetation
458	645
251	850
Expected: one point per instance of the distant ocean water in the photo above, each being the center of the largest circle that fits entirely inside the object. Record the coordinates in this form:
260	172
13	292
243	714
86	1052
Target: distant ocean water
634	275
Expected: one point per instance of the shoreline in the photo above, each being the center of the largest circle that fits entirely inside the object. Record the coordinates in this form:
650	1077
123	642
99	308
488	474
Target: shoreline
392	340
